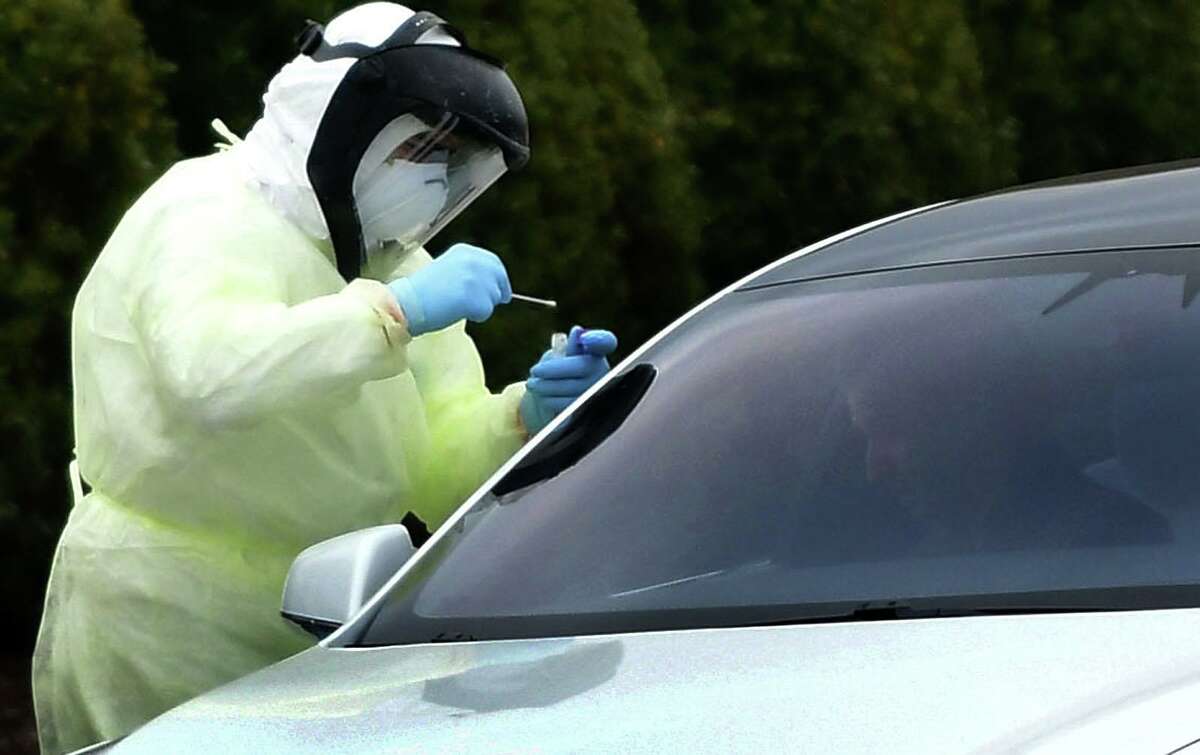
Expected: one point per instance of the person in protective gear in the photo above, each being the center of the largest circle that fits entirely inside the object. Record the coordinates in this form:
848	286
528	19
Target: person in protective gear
264	357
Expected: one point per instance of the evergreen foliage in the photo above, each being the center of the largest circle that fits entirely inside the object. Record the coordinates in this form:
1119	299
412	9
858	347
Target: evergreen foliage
807	117
1091	85
83	132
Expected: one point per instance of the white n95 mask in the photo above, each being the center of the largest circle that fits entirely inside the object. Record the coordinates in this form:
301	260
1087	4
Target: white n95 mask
400	201
401	184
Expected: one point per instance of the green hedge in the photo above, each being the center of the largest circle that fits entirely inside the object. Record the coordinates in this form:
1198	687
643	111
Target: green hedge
84	130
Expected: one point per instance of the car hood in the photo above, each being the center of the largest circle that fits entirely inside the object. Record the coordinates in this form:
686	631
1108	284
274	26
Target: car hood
1113	682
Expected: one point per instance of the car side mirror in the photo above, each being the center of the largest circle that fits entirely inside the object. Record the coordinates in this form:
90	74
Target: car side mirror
330	581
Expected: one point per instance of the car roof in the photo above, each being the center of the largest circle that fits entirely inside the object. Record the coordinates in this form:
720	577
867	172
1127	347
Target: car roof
1152	206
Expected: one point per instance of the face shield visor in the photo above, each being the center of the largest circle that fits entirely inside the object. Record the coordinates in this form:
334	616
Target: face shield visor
418	174
412	135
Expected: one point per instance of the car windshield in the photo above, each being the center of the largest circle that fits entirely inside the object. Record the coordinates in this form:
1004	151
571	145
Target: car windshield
975	431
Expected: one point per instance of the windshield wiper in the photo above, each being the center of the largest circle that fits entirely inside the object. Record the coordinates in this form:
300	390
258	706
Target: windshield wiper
1092	600
897	610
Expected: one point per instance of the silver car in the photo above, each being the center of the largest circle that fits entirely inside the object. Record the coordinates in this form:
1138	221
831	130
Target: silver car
929	486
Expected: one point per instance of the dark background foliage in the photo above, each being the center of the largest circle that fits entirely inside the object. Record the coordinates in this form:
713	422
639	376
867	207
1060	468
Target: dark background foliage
677	145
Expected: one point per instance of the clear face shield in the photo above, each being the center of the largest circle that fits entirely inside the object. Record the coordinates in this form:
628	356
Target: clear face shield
417	175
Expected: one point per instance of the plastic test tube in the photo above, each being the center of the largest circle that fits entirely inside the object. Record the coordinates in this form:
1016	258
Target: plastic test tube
558	344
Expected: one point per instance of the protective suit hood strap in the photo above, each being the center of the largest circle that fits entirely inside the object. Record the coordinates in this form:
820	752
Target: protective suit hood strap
311	40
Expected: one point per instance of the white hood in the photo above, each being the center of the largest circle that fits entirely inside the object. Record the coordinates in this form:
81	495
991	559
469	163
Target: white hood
1072	683
275	152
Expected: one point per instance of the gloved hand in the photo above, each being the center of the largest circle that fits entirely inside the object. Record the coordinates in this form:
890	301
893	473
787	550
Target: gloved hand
465	282
556	381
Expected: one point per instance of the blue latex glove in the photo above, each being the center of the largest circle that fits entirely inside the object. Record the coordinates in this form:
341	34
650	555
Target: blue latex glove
556	381
465	282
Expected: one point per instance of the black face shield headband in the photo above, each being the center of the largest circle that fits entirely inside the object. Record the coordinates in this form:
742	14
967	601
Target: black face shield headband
397	78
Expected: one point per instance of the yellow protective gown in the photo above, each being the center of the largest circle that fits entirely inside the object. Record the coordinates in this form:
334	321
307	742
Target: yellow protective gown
235	402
